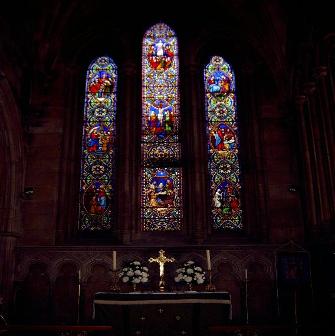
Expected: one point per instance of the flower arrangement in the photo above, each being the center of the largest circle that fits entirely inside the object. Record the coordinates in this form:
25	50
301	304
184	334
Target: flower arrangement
134	272
190	274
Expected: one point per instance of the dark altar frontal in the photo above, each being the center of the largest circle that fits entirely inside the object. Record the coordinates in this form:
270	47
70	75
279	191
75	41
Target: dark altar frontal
162	314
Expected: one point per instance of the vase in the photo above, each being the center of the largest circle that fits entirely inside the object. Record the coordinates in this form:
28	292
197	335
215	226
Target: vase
134	287
189	286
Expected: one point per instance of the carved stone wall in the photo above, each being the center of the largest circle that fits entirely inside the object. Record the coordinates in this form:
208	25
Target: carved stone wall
55	272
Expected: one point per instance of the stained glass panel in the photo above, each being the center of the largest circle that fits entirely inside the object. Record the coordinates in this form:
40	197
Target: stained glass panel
223	145
160	130
97	161
161	195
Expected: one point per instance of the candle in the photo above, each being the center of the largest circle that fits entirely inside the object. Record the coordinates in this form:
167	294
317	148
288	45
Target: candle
246	274
209	266
79	275
114	260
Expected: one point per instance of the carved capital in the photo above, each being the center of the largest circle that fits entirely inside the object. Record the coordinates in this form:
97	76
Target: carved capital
300	101
309	88
320	72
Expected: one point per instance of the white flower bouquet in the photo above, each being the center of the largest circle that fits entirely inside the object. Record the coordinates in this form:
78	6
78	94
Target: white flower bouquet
134	273
190	273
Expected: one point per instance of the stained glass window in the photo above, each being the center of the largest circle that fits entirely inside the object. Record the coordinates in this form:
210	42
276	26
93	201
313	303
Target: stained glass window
161	184
97	161
223	162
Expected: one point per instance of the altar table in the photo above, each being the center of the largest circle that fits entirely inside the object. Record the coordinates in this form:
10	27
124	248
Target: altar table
162	314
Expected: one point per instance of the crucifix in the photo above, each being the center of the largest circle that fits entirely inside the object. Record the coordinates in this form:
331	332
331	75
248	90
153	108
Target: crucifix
161	260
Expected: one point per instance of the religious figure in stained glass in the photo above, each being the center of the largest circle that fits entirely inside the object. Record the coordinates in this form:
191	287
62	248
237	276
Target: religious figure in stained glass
161	196
160	121
161	192
97	162
101	84
160	55
223	163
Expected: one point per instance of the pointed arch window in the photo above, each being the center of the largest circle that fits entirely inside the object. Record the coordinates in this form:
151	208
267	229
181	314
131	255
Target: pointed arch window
223	145
97	160
161	176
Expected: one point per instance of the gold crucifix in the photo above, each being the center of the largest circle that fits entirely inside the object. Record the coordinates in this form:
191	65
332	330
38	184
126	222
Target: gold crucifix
161	260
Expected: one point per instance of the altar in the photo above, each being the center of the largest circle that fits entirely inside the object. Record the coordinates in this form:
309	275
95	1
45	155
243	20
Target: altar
162	314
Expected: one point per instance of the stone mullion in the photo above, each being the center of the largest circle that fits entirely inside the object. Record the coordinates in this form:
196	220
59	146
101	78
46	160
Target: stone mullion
316	151
67	224
198	168
127	136
328	145
253	179
300	102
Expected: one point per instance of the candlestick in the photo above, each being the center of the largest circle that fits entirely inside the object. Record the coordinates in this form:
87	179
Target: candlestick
210	287
79	293
114	260
115	281
209	265
246	297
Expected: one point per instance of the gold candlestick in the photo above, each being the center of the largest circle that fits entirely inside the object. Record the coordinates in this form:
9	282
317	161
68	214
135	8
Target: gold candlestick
115	280
79	295
161	260
210	287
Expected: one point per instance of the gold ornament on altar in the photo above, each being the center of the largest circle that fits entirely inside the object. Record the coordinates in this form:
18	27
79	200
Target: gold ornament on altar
161	260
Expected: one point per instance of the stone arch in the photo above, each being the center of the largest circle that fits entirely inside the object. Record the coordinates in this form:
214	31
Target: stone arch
226	278
261	294
58	264
96	279
229	258
66	292
88	267
33	298
261	260
12	167
24	267
11	187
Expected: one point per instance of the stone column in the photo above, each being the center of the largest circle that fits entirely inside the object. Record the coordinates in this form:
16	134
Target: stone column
300	102
315	128
7	266
10	226
327	149
195	184
256	218
128	136
68	194
12	163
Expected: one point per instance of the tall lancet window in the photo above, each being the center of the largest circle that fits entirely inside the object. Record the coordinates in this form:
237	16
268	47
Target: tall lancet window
97	161
223	161
161	183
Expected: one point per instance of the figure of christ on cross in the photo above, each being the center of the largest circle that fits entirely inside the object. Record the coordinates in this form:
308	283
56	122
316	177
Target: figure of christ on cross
161	260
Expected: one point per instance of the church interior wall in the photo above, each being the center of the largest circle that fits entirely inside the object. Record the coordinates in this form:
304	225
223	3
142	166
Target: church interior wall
285	79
